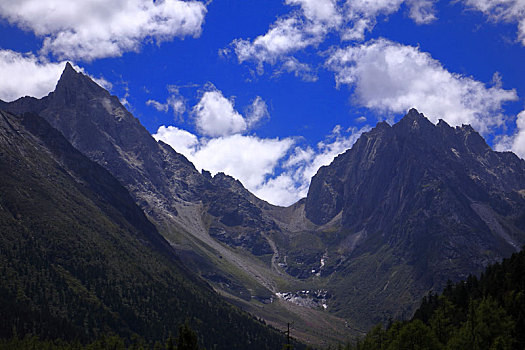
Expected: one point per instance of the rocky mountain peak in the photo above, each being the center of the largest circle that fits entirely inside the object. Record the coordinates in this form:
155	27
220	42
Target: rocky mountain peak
397	159
73	85
434	198
414	123
443	124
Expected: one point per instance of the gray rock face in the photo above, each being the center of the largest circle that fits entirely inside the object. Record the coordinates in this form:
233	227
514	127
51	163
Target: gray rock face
436	199
163	182
99	126
397	180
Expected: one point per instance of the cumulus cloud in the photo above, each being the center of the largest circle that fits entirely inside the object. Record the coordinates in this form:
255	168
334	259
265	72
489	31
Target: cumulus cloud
215	115
302	28
508	11
91	29
516	142
311	21
277	170
180	140
285	37
27	75
390	77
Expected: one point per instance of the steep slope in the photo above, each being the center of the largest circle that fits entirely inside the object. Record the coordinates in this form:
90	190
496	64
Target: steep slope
476	313
415	204
220	230
78	258
162	181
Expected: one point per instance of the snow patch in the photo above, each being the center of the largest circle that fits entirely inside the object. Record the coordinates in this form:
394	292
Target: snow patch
317	299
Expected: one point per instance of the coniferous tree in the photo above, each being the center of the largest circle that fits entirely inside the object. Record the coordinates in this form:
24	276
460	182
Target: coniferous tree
187	339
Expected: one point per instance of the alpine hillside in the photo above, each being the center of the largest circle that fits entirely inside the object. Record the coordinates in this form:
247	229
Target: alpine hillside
80	260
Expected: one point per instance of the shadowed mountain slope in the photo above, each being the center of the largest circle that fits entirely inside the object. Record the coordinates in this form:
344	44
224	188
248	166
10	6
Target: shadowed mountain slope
427	202
78	257
218	228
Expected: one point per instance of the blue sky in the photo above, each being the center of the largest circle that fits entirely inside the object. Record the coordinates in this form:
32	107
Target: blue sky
268	91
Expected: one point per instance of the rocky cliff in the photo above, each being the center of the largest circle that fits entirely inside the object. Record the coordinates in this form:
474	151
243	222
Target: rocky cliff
428	201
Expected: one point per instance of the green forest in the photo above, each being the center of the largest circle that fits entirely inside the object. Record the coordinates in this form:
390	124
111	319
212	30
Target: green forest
485	313
186	339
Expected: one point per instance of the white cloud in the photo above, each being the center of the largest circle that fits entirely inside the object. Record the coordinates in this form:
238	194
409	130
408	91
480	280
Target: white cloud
310	25
159	106
256	112
91	29
247	158
180	140
516	142
175	101
390	77
302	28
270	168
422	11
285	37
361	16
325	11
299	69
25	75
215	115
509	11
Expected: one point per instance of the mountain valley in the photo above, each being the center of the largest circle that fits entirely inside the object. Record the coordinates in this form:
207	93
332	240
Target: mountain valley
407	208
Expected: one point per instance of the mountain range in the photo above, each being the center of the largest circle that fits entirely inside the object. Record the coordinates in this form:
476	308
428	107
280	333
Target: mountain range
407	208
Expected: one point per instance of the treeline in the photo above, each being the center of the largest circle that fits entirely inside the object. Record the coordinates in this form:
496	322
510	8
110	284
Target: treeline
478	314
186	340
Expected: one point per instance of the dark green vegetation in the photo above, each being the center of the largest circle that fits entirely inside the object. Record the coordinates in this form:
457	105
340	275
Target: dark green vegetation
186	340
479	314
79	259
